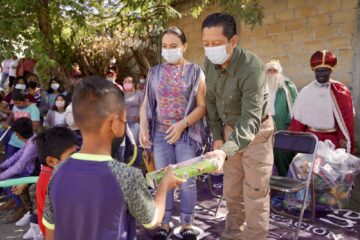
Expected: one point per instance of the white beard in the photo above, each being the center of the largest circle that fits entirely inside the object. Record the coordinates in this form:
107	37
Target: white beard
274	82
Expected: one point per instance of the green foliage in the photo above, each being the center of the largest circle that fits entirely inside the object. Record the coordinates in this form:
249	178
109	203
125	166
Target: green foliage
250	11
90	32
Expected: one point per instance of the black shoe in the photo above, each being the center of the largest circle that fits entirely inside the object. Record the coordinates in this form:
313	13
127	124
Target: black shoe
162	234
188	234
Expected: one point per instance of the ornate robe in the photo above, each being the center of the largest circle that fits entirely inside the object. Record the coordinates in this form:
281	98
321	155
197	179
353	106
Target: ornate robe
327	111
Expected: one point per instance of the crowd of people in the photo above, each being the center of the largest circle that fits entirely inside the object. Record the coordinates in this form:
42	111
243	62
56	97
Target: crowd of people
230	109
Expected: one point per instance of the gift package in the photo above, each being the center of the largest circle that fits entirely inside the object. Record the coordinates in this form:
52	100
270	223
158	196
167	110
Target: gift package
187	169
334	173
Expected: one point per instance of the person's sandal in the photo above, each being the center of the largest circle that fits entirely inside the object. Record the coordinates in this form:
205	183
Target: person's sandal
188	234
162	234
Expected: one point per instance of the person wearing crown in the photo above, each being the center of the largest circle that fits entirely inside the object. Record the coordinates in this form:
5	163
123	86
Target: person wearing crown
282	95
324	107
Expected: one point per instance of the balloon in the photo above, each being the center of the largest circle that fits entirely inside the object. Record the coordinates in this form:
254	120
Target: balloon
18	181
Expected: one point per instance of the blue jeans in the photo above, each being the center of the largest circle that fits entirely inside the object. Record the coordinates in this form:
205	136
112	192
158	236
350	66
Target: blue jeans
4	76
165	154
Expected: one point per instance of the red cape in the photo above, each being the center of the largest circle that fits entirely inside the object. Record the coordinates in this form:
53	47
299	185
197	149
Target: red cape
344	100
345	103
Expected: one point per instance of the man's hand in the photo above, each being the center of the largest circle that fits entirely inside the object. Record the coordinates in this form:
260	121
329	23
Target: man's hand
218	144
221	156
342	143
170	180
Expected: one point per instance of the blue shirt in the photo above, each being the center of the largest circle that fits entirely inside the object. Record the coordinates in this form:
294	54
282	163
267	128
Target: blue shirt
94	197
31	112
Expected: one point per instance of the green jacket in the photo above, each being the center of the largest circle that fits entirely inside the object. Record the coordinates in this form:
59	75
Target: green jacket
284	101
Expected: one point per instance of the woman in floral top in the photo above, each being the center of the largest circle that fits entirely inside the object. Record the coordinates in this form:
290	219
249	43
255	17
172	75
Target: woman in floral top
172	121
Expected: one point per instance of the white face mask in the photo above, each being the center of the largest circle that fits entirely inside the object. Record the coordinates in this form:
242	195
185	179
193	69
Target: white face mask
55	86
171	55
60	103
111	79
217	55
20	86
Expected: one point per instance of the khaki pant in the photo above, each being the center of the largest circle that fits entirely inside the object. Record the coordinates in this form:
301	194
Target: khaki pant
246	186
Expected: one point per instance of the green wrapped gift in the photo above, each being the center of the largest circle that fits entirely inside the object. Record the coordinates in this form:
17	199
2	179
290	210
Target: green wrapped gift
188	169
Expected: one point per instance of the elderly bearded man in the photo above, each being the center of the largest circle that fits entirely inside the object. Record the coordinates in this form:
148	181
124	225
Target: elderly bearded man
282	95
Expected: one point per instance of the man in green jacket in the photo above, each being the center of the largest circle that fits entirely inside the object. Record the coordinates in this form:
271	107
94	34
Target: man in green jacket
237	111
282	95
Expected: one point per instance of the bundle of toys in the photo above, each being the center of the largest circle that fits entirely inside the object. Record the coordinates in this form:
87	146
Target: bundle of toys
334	174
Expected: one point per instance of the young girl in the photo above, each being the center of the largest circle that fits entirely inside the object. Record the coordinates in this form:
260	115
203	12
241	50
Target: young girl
7	105
56	116
55	88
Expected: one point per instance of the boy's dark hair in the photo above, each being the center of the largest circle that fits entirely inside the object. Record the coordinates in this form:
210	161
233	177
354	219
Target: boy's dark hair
32	75
221	20
94	98
178	32
18	95
23	126
17	79
53	142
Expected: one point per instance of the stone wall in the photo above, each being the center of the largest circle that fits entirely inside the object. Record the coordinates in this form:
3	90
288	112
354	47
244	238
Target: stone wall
356	82
292	31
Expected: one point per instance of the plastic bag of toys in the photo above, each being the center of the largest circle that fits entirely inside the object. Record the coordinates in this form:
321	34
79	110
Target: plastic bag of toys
334	174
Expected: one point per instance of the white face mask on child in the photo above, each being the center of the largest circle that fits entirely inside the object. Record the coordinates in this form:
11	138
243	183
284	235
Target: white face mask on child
20	86
60	103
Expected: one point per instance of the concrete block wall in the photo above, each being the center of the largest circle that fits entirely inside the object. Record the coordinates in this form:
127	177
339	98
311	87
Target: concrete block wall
292	31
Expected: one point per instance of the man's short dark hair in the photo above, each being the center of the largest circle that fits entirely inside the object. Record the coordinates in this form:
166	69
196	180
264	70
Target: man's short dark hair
221	20
18	95
93	100
23	126
54	142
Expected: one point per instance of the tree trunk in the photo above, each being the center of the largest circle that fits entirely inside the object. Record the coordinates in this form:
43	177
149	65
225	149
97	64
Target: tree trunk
356	79
45	27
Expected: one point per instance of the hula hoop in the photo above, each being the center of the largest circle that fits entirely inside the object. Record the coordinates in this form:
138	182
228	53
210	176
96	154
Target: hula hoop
132	140
18	181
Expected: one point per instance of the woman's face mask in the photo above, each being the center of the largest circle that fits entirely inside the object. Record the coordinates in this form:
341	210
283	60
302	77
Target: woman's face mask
172	55
55	86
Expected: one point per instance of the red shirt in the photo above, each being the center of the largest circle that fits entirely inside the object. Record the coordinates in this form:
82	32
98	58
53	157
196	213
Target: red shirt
41	188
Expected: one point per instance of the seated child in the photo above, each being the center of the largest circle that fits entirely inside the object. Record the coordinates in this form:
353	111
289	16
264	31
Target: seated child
21	164
91	196
53	146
